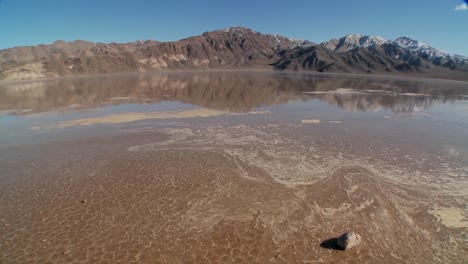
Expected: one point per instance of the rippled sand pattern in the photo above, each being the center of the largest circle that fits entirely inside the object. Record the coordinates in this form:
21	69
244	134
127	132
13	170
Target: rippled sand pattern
219	194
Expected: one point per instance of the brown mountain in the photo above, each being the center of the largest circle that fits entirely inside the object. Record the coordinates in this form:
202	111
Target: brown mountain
232	48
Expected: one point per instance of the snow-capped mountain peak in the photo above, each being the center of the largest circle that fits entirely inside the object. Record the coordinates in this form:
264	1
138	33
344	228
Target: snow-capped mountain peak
364	40
419	47
428	51
352	41
296	42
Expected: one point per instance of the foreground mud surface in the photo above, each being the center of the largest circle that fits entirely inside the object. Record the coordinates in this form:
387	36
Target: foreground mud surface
218	194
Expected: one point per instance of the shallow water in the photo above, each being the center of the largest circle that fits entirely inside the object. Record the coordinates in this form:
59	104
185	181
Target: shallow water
233	167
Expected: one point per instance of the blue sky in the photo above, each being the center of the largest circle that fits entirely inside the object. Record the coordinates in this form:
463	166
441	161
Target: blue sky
32	22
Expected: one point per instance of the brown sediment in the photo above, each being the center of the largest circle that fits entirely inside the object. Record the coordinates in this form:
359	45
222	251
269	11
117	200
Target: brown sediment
217	194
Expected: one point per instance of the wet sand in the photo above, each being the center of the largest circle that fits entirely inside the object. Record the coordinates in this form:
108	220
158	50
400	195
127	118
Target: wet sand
233	187
217	194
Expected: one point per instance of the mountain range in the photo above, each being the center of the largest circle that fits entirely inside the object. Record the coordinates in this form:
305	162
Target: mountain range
233	48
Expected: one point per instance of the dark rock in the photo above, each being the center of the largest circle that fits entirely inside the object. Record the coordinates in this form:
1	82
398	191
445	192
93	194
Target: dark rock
348	240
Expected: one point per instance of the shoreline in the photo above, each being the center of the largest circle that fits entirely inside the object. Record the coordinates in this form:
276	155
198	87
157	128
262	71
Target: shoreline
414	77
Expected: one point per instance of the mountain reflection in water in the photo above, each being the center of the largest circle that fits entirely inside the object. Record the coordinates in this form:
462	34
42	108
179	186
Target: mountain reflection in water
229	91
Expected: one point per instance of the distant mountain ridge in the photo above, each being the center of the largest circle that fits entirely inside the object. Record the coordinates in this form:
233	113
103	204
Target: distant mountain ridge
408	45
352	41
232	48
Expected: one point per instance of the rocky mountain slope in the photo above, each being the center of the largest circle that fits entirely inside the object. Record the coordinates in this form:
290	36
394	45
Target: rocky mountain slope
412	52
231	48
436	56
352	41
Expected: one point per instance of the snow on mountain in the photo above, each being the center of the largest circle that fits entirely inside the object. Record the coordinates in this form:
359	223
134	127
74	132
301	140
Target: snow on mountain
419	47
427	50
296	42
352	41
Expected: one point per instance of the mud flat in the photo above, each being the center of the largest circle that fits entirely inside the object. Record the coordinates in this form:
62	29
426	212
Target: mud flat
218	194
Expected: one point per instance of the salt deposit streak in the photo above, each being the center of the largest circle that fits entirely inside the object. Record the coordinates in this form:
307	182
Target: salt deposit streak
131	117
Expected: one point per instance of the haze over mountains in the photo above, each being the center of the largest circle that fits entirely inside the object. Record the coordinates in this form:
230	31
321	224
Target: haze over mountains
233	48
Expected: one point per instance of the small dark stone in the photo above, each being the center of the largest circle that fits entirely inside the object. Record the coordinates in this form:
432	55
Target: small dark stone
82	201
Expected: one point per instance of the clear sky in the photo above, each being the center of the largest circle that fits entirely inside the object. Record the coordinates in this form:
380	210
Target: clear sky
32	22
